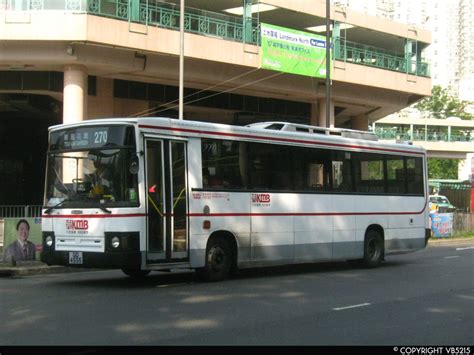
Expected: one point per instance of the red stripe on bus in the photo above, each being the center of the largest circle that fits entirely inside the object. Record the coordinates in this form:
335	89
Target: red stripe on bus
287	140
232	214
299	214
94	215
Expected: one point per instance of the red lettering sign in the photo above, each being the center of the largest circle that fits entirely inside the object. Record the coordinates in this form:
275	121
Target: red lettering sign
261	198
79	224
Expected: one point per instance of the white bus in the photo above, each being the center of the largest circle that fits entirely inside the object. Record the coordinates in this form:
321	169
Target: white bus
158	194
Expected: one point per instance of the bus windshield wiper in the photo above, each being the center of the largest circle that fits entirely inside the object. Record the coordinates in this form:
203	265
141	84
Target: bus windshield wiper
50	209
105	209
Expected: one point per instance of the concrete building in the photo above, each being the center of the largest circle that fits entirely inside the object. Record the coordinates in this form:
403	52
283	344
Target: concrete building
466	50
451	53
70	60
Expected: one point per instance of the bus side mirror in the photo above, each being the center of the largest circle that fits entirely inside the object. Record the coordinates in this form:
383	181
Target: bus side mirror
134	165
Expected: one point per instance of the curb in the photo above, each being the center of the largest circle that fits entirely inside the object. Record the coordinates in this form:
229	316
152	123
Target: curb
437	241
11	271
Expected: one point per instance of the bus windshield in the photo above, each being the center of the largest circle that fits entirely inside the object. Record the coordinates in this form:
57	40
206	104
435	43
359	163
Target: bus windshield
92	173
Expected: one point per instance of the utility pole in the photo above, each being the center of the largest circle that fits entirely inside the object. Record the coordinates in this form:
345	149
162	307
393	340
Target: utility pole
181	59
328	64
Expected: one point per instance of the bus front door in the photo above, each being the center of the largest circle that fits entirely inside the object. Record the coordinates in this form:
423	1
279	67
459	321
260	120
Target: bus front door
167	201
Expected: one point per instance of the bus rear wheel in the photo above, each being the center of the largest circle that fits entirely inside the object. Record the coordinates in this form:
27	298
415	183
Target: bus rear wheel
218	261
135	273
373	249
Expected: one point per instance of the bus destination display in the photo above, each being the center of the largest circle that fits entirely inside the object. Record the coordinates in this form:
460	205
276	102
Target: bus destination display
90	137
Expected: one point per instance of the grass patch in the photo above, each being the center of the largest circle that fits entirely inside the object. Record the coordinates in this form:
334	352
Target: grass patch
456	235
462	234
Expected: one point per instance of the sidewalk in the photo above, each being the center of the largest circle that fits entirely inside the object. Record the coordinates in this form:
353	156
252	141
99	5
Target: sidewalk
454	240
26	268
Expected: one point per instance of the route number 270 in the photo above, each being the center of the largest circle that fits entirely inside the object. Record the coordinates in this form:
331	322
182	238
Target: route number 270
100	137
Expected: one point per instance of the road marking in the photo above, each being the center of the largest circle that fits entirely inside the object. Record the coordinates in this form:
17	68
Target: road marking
353	306
174	285
464	248
451	257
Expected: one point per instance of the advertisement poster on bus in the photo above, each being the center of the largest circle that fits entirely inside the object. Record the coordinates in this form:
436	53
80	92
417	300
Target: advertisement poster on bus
292	51
442	224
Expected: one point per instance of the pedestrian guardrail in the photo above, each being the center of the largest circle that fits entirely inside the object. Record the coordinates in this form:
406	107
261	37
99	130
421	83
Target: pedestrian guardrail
363	54
20	211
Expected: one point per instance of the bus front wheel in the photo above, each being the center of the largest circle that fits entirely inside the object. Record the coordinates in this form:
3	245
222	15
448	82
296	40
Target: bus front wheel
218	261
373	249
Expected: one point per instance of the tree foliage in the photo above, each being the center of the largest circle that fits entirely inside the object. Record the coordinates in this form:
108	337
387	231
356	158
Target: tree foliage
442	104
443	168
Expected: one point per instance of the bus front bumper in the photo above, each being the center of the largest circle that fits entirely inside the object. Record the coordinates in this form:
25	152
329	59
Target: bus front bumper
107	260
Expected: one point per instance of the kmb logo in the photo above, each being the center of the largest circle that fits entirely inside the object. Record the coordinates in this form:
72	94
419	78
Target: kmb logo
260	198
79	224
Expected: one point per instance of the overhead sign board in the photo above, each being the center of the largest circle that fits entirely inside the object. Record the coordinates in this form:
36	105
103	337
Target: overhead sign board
292	51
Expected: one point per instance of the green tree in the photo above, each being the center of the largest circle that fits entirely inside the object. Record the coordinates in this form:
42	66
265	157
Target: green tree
442	104
443	168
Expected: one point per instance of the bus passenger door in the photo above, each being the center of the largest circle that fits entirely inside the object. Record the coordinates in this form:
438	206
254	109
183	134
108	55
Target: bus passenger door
166	200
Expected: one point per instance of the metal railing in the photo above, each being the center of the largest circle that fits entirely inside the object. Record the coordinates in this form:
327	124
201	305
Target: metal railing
153	13
463	222
38	5
388	134
20	211
377	57
197	21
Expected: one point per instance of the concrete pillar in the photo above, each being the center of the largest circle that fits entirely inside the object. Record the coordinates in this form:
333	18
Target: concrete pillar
336	37
322	114
410	57
360	123
75	94
134	8
247	21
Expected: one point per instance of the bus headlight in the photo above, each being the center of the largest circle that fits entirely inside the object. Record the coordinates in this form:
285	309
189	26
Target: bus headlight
122	242
49	241
115	242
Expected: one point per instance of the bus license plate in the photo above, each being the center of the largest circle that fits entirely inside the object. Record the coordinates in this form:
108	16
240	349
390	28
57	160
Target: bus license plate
75	257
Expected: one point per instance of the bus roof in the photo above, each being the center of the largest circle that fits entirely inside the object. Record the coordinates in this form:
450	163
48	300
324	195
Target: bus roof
255	132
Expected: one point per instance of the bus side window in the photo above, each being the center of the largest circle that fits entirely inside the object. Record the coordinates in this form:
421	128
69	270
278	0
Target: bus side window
316	176
415	176
341	172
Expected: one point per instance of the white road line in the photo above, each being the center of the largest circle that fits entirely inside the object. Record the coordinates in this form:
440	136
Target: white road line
353	306
465	248
173	285
451	257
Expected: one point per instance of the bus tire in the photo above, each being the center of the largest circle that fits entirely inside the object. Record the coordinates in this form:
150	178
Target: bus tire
135	273
373	249
218	261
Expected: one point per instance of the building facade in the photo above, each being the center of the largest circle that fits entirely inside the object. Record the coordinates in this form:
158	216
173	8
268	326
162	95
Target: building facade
451	23
64	61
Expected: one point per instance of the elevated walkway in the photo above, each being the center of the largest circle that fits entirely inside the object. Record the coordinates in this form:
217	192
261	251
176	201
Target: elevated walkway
442	138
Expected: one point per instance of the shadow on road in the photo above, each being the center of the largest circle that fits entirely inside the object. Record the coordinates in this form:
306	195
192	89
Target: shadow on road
168	279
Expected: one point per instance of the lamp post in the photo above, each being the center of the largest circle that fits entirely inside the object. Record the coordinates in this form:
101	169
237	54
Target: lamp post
181	59
328	64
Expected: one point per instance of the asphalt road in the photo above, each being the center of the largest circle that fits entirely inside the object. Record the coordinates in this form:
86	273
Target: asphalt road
423	298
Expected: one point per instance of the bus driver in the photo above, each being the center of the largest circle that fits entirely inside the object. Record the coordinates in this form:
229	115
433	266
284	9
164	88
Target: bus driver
101	185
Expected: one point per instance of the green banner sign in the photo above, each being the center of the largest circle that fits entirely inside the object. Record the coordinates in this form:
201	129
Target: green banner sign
292	51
